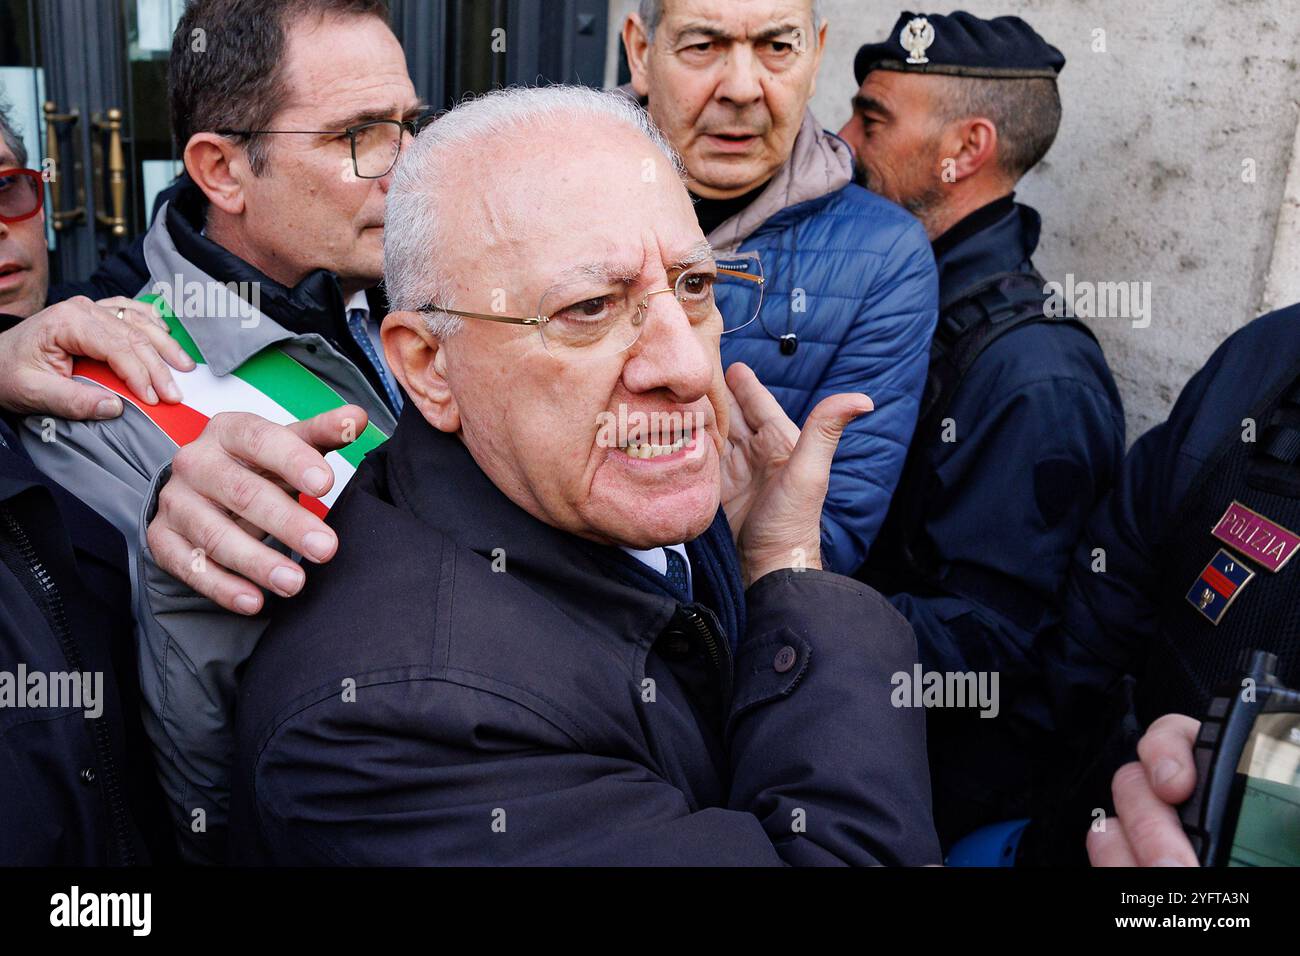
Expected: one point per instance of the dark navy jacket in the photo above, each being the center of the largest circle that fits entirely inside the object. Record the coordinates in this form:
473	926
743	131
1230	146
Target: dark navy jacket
1039	435
1110	617
74	790
416	706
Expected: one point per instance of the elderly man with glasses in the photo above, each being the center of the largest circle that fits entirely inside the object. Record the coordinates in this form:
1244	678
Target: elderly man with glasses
578	615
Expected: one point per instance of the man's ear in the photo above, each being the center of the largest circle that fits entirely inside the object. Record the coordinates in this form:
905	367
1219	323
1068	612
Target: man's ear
419	361
218	167
637	45
973	146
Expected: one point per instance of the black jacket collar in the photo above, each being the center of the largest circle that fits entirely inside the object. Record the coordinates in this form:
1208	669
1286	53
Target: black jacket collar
998	238
433	476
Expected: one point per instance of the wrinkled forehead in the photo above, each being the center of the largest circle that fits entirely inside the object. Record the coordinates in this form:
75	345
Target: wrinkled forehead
594	195
361	76
737	19
902	95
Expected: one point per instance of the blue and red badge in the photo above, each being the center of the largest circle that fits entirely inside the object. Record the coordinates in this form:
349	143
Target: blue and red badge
1218	585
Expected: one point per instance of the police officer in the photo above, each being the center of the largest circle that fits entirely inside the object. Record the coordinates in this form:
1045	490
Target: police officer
1186	565
1021	427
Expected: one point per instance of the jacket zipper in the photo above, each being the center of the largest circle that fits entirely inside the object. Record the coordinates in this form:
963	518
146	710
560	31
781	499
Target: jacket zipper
719	655
53	609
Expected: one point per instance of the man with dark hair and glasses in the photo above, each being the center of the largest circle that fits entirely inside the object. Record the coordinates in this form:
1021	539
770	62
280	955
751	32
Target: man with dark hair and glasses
290	117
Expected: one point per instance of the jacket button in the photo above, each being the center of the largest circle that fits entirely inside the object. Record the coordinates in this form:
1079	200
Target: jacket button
785	659
88	776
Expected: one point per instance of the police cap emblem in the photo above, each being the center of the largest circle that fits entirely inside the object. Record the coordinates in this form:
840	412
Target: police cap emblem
916	38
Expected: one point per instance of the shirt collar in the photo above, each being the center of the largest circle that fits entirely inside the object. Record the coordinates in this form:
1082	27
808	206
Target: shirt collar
358	302
657	560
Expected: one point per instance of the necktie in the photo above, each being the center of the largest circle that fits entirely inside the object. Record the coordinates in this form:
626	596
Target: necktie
676	573
357	319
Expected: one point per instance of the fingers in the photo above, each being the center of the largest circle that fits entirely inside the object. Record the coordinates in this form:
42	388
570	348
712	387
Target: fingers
752	399
84	328
233	564
1151	827
1166	752
77	401
156	349
333	429
174	555
219	506
279	450
128	354
1109	846
737	428
810	463
134	310
145	316
224	470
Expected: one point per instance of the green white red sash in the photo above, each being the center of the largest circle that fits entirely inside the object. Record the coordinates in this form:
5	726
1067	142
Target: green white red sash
270	384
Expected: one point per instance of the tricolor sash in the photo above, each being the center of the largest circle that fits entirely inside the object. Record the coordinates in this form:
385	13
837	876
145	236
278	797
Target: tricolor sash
270	384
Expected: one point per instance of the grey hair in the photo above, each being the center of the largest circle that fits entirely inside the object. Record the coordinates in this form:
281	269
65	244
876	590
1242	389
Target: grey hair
1026	112
414	237
10	135
652	11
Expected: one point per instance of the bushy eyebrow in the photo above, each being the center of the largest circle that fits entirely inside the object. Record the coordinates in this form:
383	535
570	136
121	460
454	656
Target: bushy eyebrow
869	104
700	252
601	271
369	116
713	32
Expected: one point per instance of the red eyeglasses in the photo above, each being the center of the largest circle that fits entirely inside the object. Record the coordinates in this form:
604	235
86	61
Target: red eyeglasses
22	194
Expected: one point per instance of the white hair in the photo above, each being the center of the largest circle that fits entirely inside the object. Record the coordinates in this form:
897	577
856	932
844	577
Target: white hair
507	120
652	11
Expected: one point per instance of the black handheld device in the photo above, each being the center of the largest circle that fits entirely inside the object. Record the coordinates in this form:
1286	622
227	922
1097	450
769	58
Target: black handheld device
1246	808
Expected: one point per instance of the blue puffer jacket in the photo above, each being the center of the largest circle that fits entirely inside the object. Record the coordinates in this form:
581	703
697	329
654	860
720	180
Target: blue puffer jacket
853	276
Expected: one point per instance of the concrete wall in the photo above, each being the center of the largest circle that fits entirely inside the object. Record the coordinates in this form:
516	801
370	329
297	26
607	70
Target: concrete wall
1178	164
